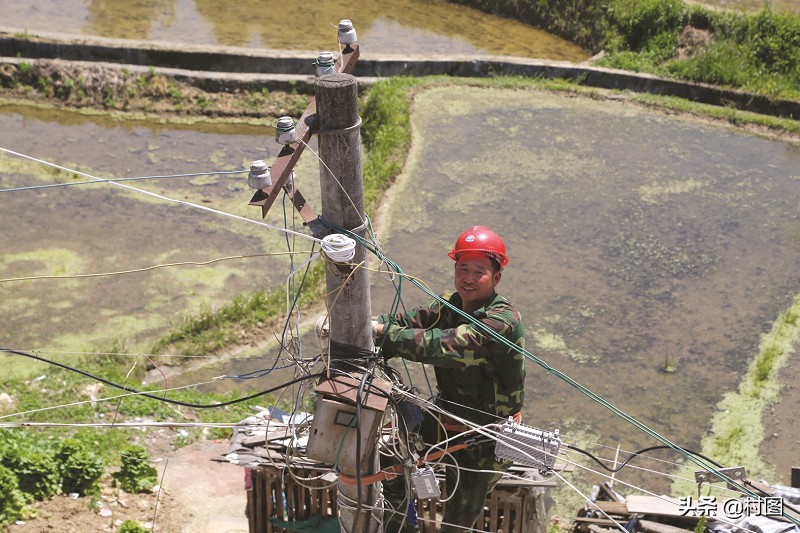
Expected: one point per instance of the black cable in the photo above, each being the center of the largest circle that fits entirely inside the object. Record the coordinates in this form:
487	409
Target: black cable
341	351
636	454
152	396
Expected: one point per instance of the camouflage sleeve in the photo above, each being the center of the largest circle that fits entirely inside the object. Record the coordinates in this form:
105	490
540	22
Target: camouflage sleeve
463	346
421	317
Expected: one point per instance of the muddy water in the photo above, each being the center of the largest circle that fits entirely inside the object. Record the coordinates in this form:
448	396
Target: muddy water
416	27
103	228
638	242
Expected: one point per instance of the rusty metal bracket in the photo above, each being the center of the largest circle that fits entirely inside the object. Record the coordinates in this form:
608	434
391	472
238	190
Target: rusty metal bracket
705	476
289	155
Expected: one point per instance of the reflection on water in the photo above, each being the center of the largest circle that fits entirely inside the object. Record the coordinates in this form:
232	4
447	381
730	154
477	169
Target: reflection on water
637	242
416	27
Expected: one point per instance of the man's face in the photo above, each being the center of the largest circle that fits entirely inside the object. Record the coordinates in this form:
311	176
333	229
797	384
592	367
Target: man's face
474	279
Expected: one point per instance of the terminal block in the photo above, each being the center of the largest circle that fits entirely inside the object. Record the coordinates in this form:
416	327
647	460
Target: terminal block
528	446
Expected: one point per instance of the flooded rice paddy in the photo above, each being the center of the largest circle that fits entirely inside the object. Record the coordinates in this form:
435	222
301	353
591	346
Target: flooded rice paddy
648	253
405	27
98	228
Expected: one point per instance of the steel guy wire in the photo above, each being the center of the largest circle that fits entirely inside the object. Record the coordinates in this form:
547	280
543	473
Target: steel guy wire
162	197
115	180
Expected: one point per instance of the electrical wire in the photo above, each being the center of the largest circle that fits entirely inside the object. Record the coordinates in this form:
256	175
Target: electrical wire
149	355
563	376
160	196
145	269
637	454
150	395
115	180
395	273
132	425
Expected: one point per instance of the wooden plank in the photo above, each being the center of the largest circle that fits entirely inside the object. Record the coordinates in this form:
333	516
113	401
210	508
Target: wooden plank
597	529
265	508
601	521
610	507
508	509
494	518
316	495
605	488
656	527
277	491
653	505
427	510
325	503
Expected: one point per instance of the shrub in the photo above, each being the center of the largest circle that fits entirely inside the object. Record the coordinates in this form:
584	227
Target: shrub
639	22
12	501
132	526
34	465
722	63
136	473
81	468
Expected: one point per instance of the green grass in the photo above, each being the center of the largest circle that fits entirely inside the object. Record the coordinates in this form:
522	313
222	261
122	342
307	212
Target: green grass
737	430
755	51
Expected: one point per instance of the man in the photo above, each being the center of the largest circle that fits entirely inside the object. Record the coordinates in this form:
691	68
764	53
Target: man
479	378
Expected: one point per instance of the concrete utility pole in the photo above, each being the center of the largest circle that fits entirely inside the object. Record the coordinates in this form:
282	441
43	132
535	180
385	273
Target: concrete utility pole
342	185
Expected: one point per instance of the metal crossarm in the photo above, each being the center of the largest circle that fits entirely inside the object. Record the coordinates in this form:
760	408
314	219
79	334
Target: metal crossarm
282	168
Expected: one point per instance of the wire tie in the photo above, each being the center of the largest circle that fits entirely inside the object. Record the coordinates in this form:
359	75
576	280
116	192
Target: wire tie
343	131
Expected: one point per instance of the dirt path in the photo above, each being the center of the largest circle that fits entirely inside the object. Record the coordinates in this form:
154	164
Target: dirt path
211	493
198	496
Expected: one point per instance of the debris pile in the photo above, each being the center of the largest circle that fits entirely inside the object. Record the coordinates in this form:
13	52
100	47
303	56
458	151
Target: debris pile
776	509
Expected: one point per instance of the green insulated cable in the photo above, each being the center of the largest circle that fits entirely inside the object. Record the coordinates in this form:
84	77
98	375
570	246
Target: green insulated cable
705	465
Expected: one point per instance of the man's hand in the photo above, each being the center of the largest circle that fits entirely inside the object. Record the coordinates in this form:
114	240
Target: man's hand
377	330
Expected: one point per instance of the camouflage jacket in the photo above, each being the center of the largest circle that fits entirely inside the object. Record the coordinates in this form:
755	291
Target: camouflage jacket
479	378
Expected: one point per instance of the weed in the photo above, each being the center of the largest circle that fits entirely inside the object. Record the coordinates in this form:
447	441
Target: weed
43	83
132	526
64	90
108	97
669	366
25	67
175	93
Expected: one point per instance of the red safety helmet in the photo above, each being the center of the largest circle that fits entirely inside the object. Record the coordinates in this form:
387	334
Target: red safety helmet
481	239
